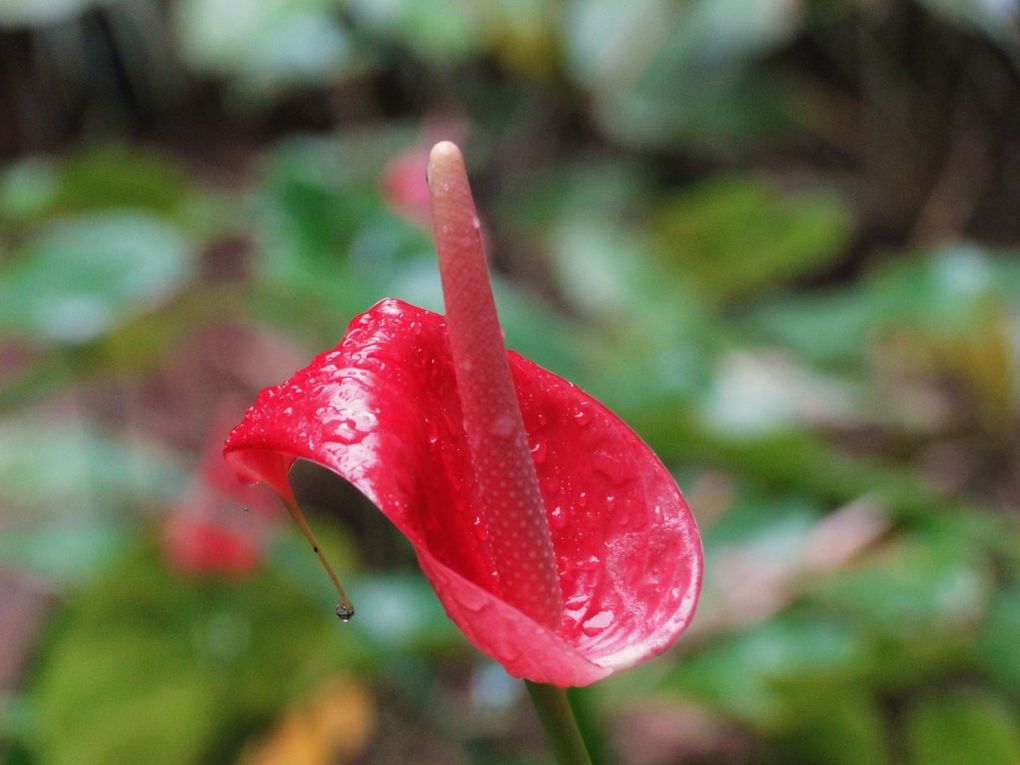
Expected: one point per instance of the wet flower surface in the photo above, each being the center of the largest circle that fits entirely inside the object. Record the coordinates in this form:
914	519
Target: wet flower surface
382	410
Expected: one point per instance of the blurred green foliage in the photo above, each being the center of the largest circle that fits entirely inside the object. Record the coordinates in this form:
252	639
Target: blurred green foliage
740	224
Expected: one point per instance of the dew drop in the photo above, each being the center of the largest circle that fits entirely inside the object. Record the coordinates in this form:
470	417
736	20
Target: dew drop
610	467
480	531
557	518
582	416
538	452
344	613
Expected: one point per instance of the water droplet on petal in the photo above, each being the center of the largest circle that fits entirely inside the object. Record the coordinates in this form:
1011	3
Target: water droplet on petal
581	415
597	623
480	531
610	467
538	452
557	518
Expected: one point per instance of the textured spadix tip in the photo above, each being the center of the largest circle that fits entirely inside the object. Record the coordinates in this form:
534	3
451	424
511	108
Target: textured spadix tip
444	156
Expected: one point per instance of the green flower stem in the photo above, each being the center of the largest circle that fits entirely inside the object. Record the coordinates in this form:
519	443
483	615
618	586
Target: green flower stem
558	721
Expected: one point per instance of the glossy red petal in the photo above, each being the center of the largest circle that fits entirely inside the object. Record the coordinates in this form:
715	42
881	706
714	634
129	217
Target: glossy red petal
382	411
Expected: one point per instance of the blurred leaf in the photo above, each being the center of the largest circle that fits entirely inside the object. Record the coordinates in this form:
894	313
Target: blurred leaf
998	649
119	176
995	18
441	30
397	611
947	291
653	332
329	245
922	592
961	729
735	236
151	668
445	32
755	393
949	314
833	725
401	613
265	44
940	316
68	553
767	523
28	189
525	35
745	675
66	489
108	176
77	278
828	328
41	12
63	469
331	725
663	71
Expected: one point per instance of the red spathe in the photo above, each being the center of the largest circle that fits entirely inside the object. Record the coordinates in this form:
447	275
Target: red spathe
382	411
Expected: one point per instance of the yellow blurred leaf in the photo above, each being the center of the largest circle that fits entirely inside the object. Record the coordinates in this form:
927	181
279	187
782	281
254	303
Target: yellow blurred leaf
330	725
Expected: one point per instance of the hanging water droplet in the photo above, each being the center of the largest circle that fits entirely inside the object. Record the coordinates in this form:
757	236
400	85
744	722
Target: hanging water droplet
344	612
244	510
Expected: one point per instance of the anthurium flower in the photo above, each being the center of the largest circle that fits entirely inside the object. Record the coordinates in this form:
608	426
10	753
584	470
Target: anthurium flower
554	537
